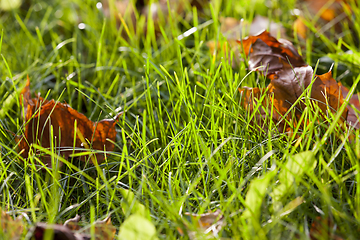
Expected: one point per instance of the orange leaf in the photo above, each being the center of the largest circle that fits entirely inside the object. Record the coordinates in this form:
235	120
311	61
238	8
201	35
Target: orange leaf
288	83
10	228
323	228
269	54
352	118
333	12
104	230
40	115
206	223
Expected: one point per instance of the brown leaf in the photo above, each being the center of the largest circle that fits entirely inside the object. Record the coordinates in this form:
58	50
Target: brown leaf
40	115
332	16
104	230
352	117
60	232
269	54
261	23
72	223
283	91
323	228
205	223
10	228
125	12
289	80
233	29
327	12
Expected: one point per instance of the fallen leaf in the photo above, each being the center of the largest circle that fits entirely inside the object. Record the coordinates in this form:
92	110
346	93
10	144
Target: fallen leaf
205	224
10	228
331	15
104	230
324	228
233	29
290	76
72	223
300	28
57	231
327	11
41	115
352	117
125	12
270	54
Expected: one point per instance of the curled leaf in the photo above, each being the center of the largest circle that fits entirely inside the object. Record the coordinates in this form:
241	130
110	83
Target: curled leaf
104	230
332	15
208	223
40	116
269	54
324	228
72	223
58	232
291	82
10	228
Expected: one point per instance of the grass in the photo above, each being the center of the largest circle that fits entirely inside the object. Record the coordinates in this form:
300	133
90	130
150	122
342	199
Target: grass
184	144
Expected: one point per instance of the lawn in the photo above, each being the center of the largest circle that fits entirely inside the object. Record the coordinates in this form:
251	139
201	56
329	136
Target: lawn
189	161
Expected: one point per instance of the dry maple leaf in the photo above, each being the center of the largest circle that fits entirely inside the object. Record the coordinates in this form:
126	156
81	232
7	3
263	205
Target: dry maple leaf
10	228
323	228
352	117
290	77
41	115
270	54
104	230
72	223
60	232
332	14
233	29
125	12
282	92
206	223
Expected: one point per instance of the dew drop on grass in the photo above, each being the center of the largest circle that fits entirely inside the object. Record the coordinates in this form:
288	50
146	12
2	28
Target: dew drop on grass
81	26
99	5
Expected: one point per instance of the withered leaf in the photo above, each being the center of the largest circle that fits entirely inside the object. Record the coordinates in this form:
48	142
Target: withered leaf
104	230
125	12
206	223
59	232
289	80
352	118
233	29
10	228
323	228
282	92
270	54
40	115
329	11
72	223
